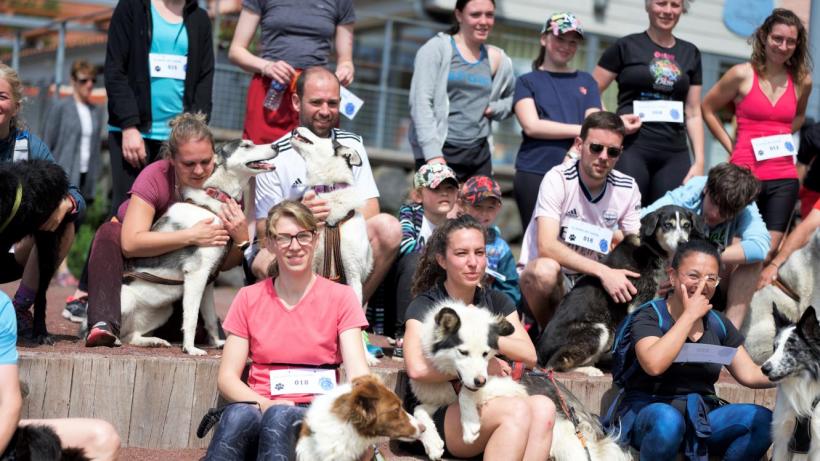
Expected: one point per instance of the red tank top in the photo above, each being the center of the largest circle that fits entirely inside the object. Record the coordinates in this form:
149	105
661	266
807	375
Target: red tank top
758	117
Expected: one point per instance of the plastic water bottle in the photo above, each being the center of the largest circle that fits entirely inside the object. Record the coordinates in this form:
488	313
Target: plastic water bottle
274	96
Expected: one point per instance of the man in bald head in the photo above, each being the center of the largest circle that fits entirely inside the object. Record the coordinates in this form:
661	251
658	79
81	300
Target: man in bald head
317	101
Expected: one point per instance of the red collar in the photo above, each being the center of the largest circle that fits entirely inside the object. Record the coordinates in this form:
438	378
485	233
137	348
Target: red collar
217	194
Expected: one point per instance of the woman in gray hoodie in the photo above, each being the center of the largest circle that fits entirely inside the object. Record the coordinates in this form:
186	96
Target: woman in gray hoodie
460	85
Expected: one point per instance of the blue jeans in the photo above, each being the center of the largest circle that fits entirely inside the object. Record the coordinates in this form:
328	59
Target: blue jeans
740	432
244	433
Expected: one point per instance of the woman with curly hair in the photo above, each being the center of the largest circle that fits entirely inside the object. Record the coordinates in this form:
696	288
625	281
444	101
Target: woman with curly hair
452	266
770	94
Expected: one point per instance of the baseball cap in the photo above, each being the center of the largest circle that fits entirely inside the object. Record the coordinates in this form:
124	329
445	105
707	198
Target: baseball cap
432	174
561	23
479	188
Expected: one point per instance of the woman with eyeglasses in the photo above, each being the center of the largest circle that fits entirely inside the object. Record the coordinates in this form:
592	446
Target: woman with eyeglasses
668	403
295	322
659	79
769	94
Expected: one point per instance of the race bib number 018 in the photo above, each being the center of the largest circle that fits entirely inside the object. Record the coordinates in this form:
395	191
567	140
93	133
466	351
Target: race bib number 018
768	147
302	381
589	236
659	111
168	65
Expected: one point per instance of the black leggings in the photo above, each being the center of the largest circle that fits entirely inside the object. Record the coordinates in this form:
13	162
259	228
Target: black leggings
122	173
525	190
776	202
656	170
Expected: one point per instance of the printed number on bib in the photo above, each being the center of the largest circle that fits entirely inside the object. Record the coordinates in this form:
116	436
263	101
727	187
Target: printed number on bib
589	236
302	381
168	65
659	111
768	147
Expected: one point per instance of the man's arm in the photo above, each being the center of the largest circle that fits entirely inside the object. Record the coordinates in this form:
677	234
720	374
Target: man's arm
370	208
683	196
755	240
794	242
11	403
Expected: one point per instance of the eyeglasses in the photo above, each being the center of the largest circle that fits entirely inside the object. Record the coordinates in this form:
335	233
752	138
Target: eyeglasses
778	40
83	81
694	278
302	238
611	152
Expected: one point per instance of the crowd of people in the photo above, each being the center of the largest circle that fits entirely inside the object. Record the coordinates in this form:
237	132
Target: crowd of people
580	170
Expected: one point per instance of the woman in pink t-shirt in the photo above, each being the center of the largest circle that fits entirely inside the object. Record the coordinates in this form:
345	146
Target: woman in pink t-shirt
296	323
770	94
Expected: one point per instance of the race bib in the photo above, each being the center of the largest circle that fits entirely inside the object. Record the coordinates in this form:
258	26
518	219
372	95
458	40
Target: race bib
768	147
588	236
302	381
705	353
659	111
350	103
168	65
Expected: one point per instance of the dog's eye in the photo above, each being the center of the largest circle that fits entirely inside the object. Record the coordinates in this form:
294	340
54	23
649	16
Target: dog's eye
485	354
462	352
667	225
685	225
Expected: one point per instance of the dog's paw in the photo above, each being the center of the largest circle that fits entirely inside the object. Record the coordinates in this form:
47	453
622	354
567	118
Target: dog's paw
149	341
470	432
371	359
44	339
433	445
219	343
589	371
193	351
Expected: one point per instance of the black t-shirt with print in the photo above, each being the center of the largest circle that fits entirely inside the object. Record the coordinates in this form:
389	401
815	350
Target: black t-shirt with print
647	71
680	378
495	301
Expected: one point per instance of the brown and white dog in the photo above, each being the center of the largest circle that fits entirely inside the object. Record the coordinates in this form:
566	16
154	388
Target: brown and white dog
343	424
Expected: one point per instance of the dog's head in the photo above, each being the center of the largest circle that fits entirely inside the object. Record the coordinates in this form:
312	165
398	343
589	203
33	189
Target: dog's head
465	339
244	158
376	411
668	226
326	158
796	347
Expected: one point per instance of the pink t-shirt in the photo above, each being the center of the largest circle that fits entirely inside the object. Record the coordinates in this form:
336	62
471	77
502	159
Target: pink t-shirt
155	184
308	334
562	196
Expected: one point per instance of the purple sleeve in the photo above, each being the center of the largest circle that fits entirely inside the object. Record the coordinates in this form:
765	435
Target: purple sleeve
522	90
152	185
593	96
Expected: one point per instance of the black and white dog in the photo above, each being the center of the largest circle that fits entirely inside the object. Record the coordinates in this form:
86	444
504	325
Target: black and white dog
795	365
30	190
147	304
584	323
40	443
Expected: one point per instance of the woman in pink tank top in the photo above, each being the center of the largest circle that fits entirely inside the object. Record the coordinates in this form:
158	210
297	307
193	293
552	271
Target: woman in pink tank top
770	94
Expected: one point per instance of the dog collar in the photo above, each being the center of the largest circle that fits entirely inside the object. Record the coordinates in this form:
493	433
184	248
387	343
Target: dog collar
217	194
325	188
17	199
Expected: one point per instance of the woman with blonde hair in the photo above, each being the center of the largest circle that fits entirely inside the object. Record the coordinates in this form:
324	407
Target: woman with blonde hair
770	94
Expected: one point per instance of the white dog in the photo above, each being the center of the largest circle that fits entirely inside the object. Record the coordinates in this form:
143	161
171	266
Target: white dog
186	273
329	167
800	275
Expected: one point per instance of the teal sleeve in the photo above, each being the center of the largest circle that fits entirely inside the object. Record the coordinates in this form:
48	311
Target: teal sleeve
754	237
510	287
8	332
687	196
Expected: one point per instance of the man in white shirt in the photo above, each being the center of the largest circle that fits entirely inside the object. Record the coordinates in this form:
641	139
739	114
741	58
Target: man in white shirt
317	102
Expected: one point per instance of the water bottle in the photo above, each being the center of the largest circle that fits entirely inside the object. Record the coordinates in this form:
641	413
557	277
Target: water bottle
274	96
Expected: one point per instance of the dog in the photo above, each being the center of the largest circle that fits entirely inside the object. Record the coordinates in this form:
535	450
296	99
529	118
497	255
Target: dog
584	323
30	190
41	443
342	424
566	446
343	251
795	366
793	292
460	340
147	301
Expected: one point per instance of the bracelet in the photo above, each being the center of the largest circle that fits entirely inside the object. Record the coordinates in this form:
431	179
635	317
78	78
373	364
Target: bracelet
243	245
772	263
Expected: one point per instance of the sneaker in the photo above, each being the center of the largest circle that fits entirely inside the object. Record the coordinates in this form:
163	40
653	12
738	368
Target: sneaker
66	279
100	335
76	309
398	349
374	350
25	322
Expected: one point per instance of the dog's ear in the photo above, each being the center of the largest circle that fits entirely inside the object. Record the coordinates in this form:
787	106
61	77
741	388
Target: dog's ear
808	324
780	320
363	400
500	327
698	226
447	321
649	223
348	153
226	149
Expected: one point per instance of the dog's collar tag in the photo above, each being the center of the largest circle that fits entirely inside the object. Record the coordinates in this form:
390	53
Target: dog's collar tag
217	194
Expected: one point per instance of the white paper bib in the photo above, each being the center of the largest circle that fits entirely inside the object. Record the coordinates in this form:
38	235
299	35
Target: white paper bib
768	147
167	65
589	236
302	381
659	111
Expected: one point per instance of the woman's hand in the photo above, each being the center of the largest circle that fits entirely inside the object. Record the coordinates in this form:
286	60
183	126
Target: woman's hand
437	160
344	72
133	147
264	405
57	216
280	71
632	123
695	170
696	305
498	367
234	222
767	276
206	233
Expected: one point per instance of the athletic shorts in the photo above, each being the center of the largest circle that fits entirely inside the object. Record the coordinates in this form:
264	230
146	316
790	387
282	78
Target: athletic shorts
776	202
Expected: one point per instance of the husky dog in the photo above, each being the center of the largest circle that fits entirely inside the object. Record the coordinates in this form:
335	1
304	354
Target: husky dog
796	278
565	443
146	304
329	167
342	424
584	323
795	365
30	190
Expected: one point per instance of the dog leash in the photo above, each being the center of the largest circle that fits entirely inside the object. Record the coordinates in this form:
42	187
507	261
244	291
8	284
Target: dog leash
332	267
569	411
786	290
18	198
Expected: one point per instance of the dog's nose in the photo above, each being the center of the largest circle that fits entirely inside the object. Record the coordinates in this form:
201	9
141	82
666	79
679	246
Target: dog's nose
480	381
766	368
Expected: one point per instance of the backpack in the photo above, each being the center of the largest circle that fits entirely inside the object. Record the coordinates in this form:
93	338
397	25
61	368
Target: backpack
22	149
624	361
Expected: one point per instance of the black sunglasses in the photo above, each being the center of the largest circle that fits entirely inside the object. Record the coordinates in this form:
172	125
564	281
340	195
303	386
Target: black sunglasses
611	152
83	81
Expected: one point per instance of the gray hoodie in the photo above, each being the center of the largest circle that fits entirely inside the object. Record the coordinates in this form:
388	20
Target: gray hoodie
429	104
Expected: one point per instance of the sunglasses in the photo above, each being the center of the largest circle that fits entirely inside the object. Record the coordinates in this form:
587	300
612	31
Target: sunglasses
83	81
611	152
